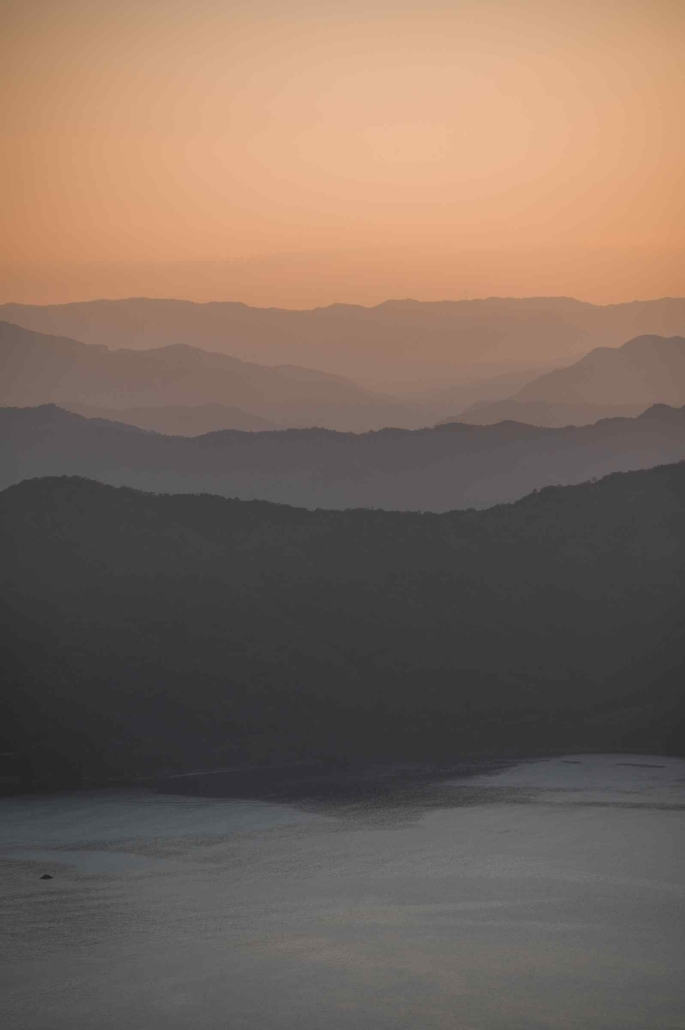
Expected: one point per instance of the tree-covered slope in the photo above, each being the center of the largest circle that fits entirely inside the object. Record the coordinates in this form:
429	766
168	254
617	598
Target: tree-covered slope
145	631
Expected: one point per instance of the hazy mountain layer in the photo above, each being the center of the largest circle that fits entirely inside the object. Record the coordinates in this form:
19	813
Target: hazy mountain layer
464	395
180	419
644	370
402	341
38	369
543	413
451	466
143	632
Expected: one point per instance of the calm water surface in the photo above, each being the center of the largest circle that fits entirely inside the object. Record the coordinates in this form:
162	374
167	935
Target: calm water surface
545	894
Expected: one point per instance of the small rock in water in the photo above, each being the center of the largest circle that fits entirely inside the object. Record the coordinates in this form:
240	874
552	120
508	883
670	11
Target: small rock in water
46	876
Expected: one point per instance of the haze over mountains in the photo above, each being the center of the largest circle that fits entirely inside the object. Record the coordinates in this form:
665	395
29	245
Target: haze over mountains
38	368
451	466
229	393
147	631
542	413
606	382
186	390
180	419
645	369
400	344
150	632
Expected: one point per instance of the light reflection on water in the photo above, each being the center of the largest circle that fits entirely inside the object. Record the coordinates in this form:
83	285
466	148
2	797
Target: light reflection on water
544	894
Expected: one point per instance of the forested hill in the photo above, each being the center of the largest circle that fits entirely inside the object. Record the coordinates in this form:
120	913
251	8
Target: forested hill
146	631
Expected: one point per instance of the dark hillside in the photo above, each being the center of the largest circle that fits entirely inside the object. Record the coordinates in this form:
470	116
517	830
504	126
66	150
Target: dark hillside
145	632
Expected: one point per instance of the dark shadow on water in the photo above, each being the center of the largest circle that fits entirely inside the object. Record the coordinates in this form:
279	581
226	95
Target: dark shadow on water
405	791
345	789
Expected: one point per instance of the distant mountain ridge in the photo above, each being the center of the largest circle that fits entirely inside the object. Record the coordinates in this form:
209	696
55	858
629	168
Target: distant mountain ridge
543	413
396	342
180	419
438	469
645	370
38	368
144	632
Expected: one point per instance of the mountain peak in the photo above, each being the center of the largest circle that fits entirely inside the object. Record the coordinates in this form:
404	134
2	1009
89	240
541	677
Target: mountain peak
646	369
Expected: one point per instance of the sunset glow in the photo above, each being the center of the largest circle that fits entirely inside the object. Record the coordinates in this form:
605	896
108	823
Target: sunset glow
298	154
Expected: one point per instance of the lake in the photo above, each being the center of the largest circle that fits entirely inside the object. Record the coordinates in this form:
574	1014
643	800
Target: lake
525	895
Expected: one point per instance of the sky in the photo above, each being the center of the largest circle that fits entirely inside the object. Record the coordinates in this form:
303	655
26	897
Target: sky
298	154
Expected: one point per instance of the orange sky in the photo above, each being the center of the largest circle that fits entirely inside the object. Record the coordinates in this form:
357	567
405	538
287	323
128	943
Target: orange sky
299	154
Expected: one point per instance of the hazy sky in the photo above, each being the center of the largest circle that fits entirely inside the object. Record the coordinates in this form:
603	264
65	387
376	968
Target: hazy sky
298	154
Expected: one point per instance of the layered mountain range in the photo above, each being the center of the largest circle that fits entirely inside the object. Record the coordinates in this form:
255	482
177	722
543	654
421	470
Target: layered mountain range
400	344
450	466
147	632
182	389
180	419
38	368
607	381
